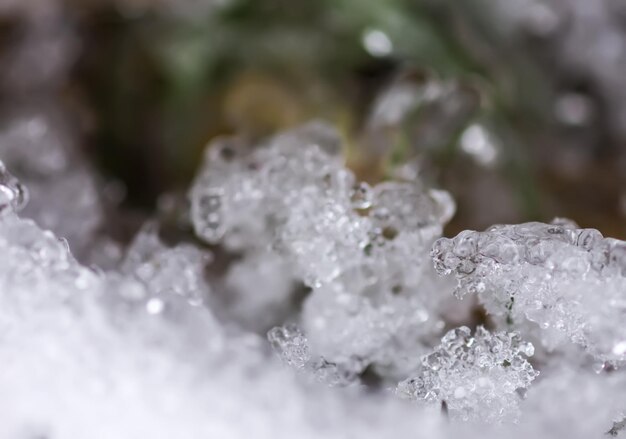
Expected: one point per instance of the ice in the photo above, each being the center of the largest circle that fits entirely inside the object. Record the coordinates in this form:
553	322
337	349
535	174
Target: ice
559	276
291	345
91	354
167	344
258	291
243	192
363	251
64	195
40	135
165	271
293	349
476	377
13	196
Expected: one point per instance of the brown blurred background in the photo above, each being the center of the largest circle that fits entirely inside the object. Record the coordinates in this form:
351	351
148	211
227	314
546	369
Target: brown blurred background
517	108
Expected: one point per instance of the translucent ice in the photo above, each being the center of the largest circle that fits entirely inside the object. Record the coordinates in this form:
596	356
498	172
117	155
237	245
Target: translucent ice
475	377
13	196
40	132
559	276
293	348
363	251
92	354
165	271
64	196
141	351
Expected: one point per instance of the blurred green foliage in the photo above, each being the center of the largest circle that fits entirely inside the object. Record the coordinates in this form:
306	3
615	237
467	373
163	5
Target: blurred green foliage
162	85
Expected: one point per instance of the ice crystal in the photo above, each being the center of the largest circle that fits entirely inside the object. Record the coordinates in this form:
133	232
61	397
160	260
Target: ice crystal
293	348
178	270
562	278
476	377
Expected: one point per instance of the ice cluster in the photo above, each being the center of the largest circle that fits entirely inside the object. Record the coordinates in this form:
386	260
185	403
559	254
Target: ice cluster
167	271
362	250
117	354
474	377
293	348
568	280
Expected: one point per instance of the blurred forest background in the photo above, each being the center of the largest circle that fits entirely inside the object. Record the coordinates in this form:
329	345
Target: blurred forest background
518	108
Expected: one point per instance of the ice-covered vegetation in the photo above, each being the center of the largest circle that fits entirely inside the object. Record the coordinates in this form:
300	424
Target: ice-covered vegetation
141	350
294	300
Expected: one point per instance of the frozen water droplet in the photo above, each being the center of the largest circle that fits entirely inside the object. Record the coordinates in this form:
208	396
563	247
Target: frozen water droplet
291	344
207	216
527	349
361	196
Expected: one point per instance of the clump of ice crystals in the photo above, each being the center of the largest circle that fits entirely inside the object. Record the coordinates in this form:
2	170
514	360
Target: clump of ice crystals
475	377
134	352
561	277
292	347
362	250
83	351
167	271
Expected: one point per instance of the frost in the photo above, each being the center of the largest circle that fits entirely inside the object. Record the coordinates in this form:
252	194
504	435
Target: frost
562	278
476	377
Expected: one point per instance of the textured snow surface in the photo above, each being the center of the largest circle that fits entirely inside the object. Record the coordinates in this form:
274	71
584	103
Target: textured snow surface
366	338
